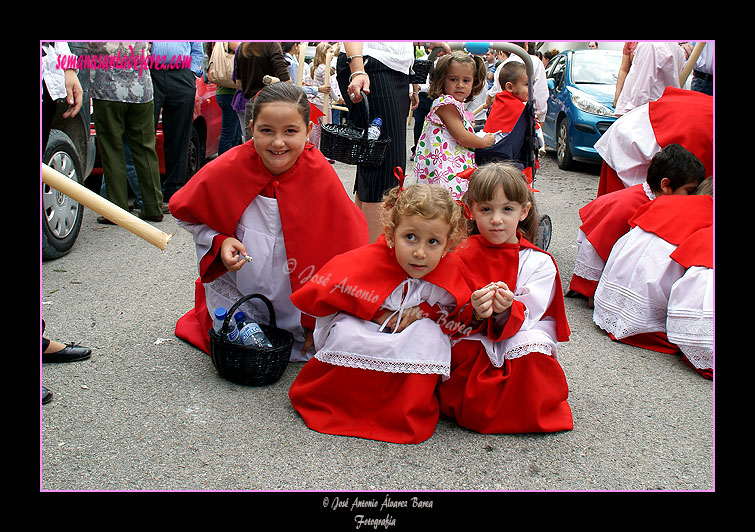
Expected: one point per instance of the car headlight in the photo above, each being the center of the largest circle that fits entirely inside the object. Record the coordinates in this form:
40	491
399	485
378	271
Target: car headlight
589	105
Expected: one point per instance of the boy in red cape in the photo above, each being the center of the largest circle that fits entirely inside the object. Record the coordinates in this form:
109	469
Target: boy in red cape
274	199
673	170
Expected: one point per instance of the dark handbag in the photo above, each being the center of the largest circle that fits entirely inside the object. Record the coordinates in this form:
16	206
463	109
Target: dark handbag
247	364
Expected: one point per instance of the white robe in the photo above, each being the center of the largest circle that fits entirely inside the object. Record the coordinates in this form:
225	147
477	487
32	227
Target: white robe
345	340
260	230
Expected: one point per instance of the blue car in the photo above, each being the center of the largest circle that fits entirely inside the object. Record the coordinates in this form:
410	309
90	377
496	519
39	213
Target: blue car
581	86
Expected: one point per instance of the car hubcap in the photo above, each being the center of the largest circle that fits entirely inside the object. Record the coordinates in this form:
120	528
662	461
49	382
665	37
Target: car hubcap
60	210
562	142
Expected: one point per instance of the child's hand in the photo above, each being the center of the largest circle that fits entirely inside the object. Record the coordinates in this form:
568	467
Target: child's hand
309	340
232	253
489	139
408	316
482	302
503	299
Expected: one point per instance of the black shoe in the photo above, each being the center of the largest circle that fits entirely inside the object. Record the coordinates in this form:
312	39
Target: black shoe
105	221
69	353
46	395
155	218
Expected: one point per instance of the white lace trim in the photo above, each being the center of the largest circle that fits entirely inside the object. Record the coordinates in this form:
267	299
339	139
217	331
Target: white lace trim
518	351
353	360
585	271
692	331
648	191
624	313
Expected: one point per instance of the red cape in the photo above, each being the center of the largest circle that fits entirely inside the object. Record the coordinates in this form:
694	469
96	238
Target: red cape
675	217
685	221
504	113
485	262
318	218
685	117
606	218
358	282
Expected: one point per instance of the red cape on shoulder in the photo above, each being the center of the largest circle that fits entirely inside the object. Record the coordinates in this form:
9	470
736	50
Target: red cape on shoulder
358	282
318	218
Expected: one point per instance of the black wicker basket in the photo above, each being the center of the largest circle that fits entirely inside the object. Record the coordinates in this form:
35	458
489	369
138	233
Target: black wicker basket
252	365
420	68
349	144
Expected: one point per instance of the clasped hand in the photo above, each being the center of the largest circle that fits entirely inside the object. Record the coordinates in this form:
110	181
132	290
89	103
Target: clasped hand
494	298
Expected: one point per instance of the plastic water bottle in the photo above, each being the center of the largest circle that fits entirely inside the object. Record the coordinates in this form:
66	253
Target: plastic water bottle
373	132
250	333
232	332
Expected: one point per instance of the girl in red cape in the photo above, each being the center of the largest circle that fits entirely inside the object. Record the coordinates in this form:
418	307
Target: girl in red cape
383	313
669	236
277	201
506	378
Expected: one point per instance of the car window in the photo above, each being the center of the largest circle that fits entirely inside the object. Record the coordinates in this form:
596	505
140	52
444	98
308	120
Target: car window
556	70
595	68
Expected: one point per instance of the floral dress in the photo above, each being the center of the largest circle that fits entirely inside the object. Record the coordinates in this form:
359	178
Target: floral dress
439	156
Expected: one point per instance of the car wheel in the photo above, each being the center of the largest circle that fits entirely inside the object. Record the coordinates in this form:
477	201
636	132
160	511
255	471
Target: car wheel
61	215
563	150
195	153
544	232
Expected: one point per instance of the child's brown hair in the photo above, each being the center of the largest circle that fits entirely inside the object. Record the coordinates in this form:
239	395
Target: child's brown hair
441	70
488	177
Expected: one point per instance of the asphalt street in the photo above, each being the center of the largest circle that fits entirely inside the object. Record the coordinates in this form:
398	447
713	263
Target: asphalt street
148	412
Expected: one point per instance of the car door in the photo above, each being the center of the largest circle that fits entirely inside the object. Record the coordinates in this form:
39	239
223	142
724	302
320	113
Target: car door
555	77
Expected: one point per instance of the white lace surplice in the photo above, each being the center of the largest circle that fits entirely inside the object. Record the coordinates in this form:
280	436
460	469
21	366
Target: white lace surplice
261	232
345	340
633	292
535	288
690	321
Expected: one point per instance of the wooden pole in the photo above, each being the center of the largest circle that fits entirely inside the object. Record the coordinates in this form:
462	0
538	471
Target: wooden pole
326	94
302	57
690	64
109	210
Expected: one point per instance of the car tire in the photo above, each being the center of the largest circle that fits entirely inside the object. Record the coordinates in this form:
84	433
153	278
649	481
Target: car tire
196	154
61	215
544	232
563	149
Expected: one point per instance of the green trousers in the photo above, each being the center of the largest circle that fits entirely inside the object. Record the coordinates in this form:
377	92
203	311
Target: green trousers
113	120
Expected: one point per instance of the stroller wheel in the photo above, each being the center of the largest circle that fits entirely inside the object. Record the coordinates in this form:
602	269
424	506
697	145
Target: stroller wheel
544	231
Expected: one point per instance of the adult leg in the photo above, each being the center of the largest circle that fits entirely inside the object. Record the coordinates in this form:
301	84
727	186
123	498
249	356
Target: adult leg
175	90
140	134
230	129
109	120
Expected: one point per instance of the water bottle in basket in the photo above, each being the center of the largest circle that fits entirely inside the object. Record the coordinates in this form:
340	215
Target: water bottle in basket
373	132
250	333
232	331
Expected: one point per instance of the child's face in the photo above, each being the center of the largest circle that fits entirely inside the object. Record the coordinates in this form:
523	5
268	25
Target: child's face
459	81
520	88
279	135
420	243
499	218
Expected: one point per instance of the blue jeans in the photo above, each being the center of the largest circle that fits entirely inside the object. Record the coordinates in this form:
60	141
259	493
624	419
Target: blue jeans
230	128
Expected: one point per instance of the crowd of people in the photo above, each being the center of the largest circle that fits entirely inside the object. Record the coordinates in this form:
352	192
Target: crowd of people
423	295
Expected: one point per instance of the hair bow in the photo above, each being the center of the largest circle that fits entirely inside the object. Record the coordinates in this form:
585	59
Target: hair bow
399	173
465	208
